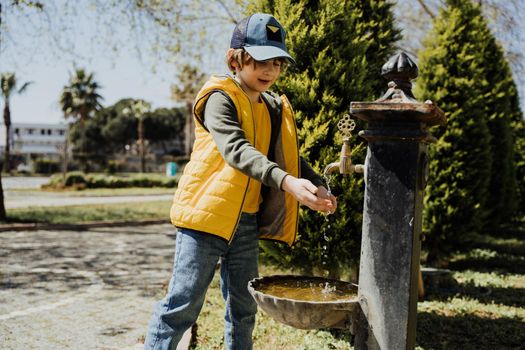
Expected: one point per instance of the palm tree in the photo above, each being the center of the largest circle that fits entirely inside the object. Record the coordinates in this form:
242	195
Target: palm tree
9	87
79	100
138	109
3	214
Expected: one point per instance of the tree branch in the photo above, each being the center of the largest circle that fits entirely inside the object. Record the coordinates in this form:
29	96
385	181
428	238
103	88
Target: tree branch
426	9
230	15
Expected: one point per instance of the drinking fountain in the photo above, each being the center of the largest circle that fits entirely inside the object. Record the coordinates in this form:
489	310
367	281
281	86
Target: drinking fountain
383	313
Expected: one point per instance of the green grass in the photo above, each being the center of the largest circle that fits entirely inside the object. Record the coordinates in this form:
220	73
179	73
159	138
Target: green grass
95	192
97	212
486	311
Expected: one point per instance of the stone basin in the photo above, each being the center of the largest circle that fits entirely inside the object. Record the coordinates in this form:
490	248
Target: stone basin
333	307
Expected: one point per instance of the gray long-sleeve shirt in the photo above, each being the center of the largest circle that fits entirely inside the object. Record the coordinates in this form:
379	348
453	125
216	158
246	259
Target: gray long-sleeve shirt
220	118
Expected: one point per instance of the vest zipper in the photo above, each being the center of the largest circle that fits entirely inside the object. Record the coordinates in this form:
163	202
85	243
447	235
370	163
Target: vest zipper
248	183
240	212
298	166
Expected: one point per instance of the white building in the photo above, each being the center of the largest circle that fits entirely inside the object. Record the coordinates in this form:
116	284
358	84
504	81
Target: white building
31	140
38	139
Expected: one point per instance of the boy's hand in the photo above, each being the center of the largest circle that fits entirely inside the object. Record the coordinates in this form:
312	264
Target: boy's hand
322	192
308	194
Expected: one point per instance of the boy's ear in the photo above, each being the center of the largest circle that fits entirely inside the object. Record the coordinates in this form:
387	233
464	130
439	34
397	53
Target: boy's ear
229	53
233	65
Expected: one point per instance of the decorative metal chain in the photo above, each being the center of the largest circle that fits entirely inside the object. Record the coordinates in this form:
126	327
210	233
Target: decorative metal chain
346	125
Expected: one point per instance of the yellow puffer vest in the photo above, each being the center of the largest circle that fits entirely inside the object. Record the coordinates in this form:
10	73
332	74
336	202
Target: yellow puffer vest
211	193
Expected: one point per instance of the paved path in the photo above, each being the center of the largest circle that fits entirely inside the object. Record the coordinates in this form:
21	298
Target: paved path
17	182
88	290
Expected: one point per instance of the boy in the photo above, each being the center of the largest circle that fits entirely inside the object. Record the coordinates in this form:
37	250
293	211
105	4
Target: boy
242	183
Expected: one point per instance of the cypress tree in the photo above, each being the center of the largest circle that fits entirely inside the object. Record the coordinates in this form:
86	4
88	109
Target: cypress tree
518	137
339	47
501	201
452	73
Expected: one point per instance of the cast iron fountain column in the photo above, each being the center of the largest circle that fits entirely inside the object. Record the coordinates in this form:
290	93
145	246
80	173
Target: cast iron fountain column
395	176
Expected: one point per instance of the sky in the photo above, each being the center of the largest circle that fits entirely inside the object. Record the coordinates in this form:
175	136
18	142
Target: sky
126	72
125	78
121	74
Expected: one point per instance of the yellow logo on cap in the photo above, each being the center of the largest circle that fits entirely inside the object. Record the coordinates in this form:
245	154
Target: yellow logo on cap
273	28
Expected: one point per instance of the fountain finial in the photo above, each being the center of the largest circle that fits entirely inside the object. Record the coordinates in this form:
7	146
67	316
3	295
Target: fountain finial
400	67
399	70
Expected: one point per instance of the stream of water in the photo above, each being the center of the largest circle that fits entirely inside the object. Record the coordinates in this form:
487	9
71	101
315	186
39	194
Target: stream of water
327	178
326	227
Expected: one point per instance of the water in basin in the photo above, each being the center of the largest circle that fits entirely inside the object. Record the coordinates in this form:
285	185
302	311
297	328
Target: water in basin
309	290
306	302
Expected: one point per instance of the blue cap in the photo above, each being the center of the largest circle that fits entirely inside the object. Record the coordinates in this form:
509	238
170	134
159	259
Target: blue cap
262	37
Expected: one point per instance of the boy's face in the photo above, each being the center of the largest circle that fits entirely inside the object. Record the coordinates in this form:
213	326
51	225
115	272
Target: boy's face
257	76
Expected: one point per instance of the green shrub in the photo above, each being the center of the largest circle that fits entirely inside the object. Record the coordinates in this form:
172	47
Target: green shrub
54	181
75	178
78	179
339	47
143	181
46	166
112	167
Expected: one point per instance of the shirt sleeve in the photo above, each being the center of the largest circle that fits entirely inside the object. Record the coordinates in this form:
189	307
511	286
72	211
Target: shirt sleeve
310	174
220	118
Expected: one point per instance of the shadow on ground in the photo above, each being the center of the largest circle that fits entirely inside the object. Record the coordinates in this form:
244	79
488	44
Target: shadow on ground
502	263
499	327
514	297
467	332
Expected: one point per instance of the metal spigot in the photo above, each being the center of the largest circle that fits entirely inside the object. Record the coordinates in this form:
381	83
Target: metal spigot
344	165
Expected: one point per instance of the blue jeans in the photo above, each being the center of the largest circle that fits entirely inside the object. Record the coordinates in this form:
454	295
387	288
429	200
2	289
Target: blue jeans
196	257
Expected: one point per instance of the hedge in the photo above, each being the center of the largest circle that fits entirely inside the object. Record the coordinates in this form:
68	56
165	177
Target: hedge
79	179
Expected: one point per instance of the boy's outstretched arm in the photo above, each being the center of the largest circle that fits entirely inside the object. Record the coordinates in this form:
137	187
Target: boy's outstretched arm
315	198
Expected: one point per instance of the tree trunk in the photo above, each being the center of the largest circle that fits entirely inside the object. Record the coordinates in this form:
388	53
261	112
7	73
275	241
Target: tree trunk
3	215
64	164
189	129
7	122
141	145
83	153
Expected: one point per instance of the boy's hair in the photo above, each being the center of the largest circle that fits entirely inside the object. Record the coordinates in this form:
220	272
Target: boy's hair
242	58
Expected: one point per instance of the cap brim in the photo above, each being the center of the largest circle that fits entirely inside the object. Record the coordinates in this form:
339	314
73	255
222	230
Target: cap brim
263	53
